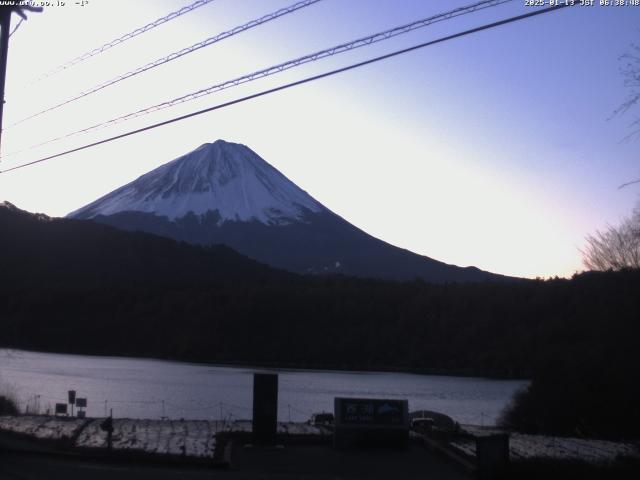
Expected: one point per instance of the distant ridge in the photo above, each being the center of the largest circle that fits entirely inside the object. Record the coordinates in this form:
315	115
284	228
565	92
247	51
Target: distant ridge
46	251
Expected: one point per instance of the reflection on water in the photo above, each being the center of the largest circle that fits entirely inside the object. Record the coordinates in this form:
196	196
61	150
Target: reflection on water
142	388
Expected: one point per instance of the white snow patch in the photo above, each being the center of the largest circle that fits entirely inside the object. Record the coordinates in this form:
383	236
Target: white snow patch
466	446
42	427
590	451
523	446
293	428
192	438
224	177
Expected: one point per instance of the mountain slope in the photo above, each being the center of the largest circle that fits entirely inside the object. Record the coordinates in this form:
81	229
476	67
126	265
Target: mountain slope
225	193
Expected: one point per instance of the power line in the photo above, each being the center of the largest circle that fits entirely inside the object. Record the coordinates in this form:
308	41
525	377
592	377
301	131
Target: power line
123	38
335	50
177	54
15	29
385	35
298	82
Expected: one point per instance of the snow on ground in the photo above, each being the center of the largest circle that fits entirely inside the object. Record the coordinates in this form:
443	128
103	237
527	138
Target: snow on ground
591	451
192	438
284	428
197	438
465	445
522	446
292	428
42	427
237	426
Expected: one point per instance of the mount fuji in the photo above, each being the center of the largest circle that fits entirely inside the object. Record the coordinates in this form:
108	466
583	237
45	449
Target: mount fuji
224	193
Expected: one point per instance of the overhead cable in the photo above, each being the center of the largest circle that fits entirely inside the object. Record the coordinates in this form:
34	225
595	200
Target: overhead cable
123	38
335	50
298	82
175	55
15	29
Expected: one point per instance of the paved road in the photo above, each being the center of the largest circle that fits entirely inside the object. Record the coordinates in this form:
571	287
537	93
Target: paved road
305	462
44	467
323	462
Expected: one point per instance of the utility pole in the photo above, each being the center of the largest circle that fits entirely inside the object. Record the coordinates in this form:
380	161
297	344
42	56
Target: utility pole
5	25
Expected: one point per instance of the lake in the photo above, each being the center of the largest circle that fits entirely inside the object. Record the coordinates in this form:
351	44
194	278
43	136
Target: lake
146	388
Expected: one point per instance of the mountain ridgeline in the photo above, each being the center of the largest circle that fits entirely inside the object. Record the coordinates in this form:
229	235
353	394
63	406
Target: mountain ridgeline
224	193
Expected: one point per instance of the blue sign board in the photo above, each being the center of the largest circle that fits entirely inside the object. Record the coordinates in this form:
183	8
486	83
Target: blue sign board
371	422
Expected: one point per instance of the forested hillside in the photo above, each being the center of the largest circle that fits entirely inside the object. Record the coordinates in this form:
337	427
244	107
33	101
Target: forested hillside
75	286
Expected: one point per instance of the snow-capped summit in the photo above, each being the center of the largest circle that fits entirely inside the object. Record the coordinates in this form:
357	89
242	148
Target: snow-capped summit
225	177
224	193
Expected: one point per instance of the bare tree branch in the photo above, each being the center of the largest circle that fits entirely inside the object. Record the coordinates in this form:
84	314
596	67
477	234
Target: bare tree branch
632	182
616	248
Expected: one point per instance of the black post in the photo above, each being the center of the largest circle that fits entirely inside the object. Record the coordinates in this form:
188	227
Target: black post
492	456
5	24
265	408
110	431
107	426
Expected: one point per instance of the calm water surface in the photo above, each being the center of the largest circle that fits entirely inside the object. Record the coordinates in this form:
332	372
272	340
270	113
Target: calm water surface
143	388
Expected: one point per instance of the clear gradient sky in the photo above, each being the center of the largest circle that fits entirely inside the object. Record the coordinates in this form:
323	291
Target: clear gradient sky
495	150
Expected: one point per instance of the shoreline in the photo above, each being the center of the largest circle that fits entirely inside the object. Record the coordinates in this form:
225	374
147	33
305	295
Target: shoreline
285	367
